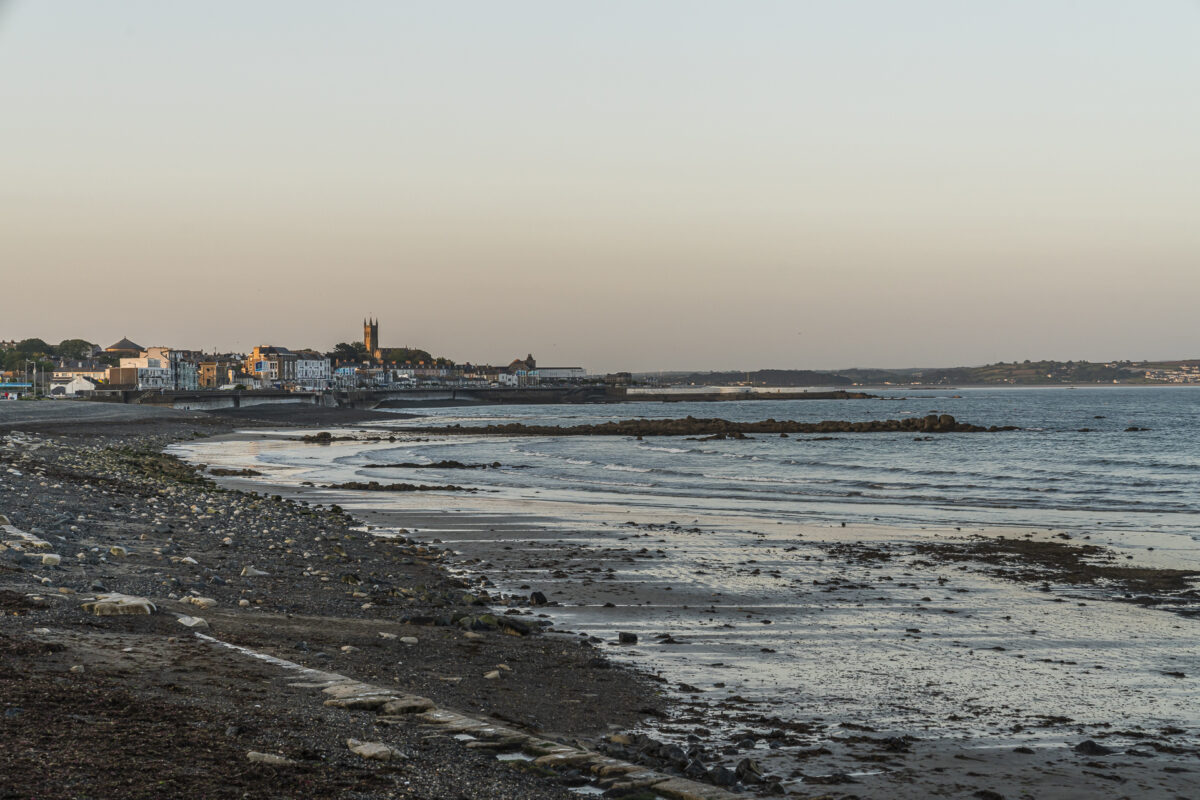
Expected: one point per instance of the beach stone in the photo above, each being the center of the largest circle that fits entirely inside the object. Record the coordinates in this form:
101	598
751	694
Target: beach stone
443	717
514	627
268	758
723	776
118	551
493	675
366	702
193	622
114	604
377	751
409	639
627	638
202	602
570	758
1089	747
684	789
749	771
51	559
349	688
250	571
407	704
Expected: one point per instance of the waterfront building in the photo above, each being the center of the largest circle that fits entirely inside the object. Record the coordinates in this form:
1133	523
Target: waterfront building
313	370
183	365
216	371
68	369
70	387
141	373
519	372
273	366
560	374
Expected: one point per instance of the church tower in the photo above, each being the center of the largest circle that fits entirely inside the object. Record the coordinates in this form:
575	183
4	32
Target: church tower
371	337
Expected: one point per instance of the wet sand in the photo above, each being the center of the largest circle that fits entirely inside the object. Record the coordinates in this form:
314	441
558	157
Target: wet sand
856	656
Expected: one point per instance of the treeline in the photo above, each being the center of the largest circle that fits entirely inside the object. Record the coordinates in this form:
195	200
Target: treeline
356	352
41	352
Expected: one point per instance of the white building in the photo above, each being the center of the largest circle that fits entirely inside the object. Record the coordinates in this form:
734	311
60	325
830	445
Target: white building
70	387
313	371
560	374
66	370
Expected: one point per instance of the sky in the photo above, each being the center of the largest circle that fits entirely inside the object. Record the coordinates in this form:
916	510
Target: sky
619	185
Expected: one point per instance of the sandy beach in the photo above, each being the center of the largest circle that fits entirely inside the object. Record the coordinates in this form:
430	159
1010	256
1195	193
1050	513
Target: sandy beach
953	685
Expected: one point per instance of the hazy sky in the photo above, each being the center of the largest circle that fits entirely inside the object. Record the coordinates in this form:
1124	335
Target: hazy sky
617	185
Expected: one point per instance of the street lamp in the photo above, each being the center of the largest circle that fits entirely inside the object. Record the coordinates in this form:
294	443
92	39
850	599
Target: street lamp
35	366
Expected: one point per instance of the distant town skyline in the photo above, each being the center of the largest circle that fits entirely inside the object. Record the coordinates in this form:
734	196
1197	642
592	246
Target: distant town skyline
622	186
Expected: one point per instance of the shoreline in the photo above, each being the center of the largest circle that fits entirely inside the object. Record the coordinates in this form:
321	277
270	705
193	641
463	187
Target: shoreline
502	545
831	746
270	575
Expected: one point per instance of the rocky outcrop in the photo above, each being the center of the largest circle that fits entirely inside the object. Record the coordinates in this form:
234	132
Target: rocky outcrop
693	426
432	465
376	486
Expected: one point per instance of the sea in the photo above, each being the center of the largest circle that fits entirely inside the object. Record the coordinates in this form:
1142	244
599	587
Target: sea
733	561
1074	463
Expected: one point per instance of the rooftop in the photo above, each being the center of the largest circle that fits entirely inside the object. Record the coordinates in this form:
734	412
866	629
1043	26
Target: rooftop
125	344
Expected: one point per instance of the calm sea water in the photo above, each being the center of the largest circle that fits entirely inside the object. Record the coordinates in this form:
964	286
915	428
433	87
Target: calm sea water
1047	474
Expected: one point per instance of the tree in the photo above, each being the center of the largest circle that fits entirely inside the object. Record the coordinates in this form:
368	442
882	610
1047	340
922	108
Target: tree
77	349
402	355
347	351
12	360
17	361
29	347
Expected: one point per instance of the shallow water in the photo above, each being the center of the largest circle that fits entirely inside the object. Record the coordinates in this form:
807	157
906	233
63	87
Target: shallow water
1047	474
745	567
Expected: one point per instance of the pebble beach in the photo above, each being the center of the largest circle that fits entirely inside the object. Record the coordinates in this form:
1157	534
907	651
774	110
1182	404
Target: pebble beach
286	618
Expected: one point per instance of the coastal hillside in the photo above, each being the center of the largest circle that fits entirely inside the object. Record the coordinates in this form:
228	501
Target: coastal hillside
1018	373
